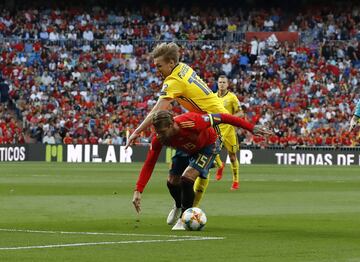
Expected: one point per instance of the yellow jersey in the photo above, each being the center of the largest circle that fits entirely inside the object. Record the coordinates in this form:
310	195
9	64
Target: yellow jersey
190	91
230	102
232	105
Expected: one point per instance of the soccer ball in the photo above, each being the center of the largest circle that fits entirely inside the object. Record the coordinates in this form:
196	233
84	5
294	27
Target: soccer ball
194	219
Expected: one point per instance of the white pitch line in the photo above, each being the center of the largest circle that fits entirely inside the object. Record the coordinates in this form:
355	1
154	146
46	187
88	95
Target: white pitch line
102	233
113	243
89	233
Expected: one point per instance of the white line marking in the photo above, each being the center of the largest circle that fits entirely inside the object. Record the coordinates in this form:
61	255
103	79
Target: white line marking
178	238
112	243
91	233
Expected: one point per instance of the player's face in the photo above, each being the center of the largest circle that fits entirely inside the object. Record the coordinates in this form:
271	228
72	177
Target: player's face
223	83
164	67
164	134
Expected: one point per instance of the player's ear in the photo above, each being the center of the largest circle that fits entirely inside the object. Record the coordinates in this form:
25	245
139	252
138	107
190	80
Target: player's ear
172	62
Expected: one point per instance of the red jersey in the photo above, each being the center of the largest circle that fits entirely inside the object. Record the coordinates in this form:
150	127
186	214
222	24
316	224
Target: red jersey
68	140
195	133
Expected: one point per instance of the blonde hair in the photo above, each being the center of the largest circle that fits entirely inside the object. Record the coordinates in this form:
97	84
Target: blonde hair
169	51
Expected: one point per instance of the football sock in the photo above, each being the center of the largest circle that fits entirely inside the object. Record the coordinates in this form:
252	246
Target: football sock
199	188
187	193
218	162
175	192
235	170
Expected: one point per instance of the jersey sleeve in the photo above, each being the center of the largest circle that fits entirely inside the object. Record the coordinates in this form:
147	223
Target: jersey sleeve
149	164
236	104
216	119
171	88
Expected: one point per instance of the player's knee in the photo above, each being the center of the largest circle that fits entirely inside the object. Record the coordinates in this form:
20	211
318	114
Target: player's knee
174	180
191	173
187	179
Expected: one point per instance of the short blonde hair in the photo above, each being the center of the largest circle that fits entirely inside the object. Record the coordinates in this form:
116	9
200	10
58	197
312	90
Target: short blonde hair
169	51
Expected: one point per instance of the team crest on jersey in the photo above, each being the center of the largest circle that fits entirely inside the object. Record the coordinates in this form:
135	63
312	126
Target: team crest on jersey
206	118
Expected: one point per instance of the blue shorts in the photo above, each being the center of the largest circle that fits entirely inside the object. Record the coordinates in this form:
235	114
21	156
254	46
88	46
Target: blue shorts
357	109
202	161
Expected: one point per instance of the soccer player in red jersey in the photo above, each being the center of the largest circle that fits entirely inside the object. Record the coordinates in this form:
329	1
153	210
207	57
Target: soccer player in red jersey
197	144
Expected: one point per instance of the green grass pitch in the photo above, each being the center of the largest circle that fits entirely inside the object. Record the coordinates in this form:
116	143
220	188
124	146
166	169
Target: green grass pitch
83	212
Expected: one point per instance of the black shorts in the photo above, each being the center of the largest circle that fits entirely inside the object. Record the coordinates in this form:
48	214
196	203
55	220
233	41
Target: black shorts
202	161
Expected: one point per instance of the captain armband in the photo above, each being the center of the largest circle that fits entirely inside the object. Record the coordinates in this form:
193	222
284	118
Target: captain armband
215	119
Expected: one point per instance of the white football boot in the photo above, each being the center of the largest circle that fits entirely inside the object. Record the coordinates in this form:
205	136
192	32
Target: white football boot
173	215
179	225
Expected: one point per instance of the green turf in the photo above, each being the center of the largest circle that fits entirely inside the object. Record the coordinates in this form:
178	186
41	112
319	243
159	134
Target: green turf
281	213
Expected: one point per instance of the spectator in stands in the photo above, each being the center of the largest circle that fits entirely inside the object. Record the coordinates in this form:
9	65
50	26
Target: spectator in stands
68	139
254	50
39	69
48	138
268	24
293	27
4	91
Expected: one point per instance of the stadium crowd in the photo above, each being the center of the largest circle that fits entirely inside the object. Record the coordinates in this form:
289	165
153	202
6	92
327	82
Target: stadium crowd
87	77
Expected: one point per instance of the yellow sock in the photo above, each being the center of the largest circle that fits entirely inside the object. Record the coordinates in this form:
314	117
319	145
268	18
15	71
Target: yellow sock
235	170
200	186
218	162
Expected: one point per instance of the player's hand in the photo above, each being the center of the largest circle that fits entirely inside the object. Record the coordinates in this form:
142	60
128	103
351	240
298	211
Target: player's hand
132	139
136	201
262	130
352	123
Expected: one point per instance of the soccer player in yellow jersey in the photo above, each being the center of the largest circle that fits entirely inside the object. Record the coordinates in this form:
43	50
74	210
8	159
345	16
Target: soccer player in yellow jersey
181	83
229	137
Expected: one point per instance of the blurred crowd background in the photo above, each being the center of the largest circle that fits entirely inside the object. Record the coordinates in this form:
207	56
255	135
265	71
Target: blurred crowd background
83	74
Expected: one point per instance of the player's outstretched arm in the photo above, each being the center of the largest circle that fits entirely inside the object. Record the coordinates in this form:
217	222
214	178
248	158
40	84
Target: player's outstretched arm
240	122
161	104
146	172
